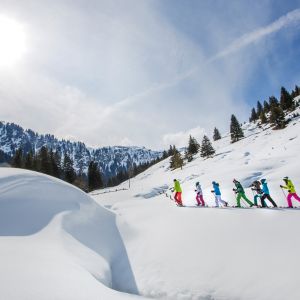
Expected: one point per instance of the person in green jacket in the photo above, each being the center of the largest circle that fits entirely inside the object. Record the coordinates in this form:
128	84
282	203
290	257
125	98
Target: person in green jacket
291	189
178	192
239	190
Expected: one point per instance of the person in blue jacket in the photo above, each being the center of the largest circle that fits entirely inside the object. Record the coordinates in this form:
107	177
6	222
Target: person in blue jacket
266	194
217	192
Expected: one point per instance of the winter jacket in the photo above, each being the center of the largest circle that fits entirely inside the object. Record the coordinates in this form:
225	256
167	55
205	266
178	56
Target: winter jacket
177	187
199	189
216	189
239	188
265	188
290	187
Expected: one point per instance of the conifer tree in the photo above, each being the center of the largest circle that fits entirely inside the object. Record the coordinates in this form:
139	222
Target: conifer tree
188	156
193	147
266	107
277	117
263	118
55	161
286	100
17	160
28	163
94	176
259	108
207	149
217	135
44	161
69	172
236	131
297	91
176	160
253	117
273	102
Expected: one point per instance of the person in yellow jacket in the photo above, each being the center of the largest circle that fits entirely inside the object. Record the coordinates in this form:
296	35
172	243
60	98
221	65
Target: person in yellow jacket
291	191
178	192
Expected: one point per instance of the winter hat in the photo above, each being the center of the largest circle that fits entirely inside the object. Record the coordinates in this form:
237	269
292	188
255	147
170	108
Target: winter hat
285	178
234	180
213	182
197	183
174	179
263	180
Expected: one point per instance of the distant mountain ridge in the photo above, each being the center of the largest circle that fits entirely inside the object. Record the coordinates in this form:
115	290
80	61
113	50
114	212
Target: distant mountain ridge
112	160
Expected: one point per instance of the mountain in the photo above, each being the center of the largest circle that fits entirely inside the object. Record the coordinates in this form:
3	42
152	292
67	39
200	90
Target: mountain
61	243
112	160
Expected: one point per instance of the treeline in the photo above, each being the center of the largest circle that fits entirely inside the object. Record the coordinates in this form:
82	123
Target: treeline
60	166
51	163
273	111
133	170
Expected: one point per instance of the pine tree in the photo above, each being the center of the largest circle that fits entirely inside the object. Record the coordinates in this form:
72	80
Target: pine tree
297	90
94	176
193	147
55	161
286	100
266	107
259	108
253	117
273	102
44	161
69	172
217	135
28	163
277	117
263	118
176	160
17	160
207	149
188	156
236	131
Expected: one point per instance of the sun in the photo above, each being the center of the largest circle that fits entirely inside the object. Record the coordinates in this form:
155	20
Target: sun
12	41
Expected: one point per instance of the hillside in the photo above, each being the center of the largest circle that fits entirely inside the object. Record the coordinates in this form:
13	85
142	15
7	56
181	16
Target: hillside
58	243
203	253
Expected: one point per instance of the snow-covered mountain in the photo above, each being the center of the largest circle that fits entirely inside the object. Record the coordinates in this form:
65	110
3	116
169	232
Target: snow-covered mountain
56	242
111	159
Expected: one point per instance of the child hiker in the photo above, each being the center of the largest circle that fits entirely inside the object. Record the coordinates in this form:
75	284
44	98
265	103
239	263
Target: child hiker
266	194
199	196
256	187
217	192
239	190
178	192
291	189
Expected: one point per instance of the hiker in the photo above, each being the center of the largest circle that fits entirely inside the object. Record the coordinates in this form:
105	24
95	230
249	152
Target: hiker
291	191
239	190
199	196
178	192
266	194
256	187
217	192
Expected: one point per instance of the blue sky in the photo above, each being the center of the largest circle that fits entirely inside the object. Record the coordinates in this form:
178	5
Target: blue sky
149	72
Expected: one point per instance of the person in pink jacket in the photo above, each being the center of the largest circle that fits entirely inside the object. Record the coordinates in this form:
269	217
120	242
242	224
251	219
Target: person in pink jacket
199	196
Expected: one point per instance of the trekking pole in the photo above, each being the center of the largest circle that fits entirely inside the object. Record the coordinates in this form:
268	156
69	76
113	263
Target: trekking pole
283	193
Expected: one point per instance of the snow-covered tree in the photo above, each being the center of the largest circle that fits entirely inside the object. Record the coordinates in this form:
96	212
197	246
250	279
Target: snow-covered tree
207	149
236	131
217	135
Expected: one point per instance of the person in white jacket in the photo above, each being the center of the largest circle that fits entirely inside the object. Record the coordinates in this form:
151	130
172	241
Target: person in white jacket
199	196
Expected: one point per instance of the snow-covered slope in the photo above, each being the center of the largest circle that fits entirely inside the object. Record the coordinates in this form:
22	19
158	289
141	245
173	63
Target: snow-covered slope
204	253
57	243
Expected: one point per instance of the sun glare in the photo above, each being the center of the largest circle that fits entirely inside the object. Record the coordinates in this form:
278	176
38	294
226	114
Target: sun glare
12	41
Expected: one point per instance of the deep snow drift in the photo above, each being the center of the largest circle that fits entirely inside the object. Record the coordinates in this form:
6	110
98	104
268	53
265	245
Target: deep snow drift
57	243
204	253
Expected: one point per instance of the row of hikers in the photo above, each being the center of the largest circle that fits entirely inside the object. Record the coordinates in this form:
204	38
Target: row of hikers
259	188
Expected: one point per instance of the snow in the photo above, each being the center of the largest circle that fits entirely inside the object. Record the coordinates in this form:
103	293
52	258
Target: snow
57	242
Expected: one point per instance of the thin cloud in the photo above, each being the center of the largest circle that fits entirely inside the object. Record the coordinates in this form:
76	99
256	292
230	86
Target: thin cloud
249	38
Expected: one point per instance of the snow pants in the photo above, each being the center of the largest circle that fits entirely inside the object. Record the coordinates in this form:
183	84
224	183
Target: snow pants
219	200
199	199
178	198
263	203
289	198
242	195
